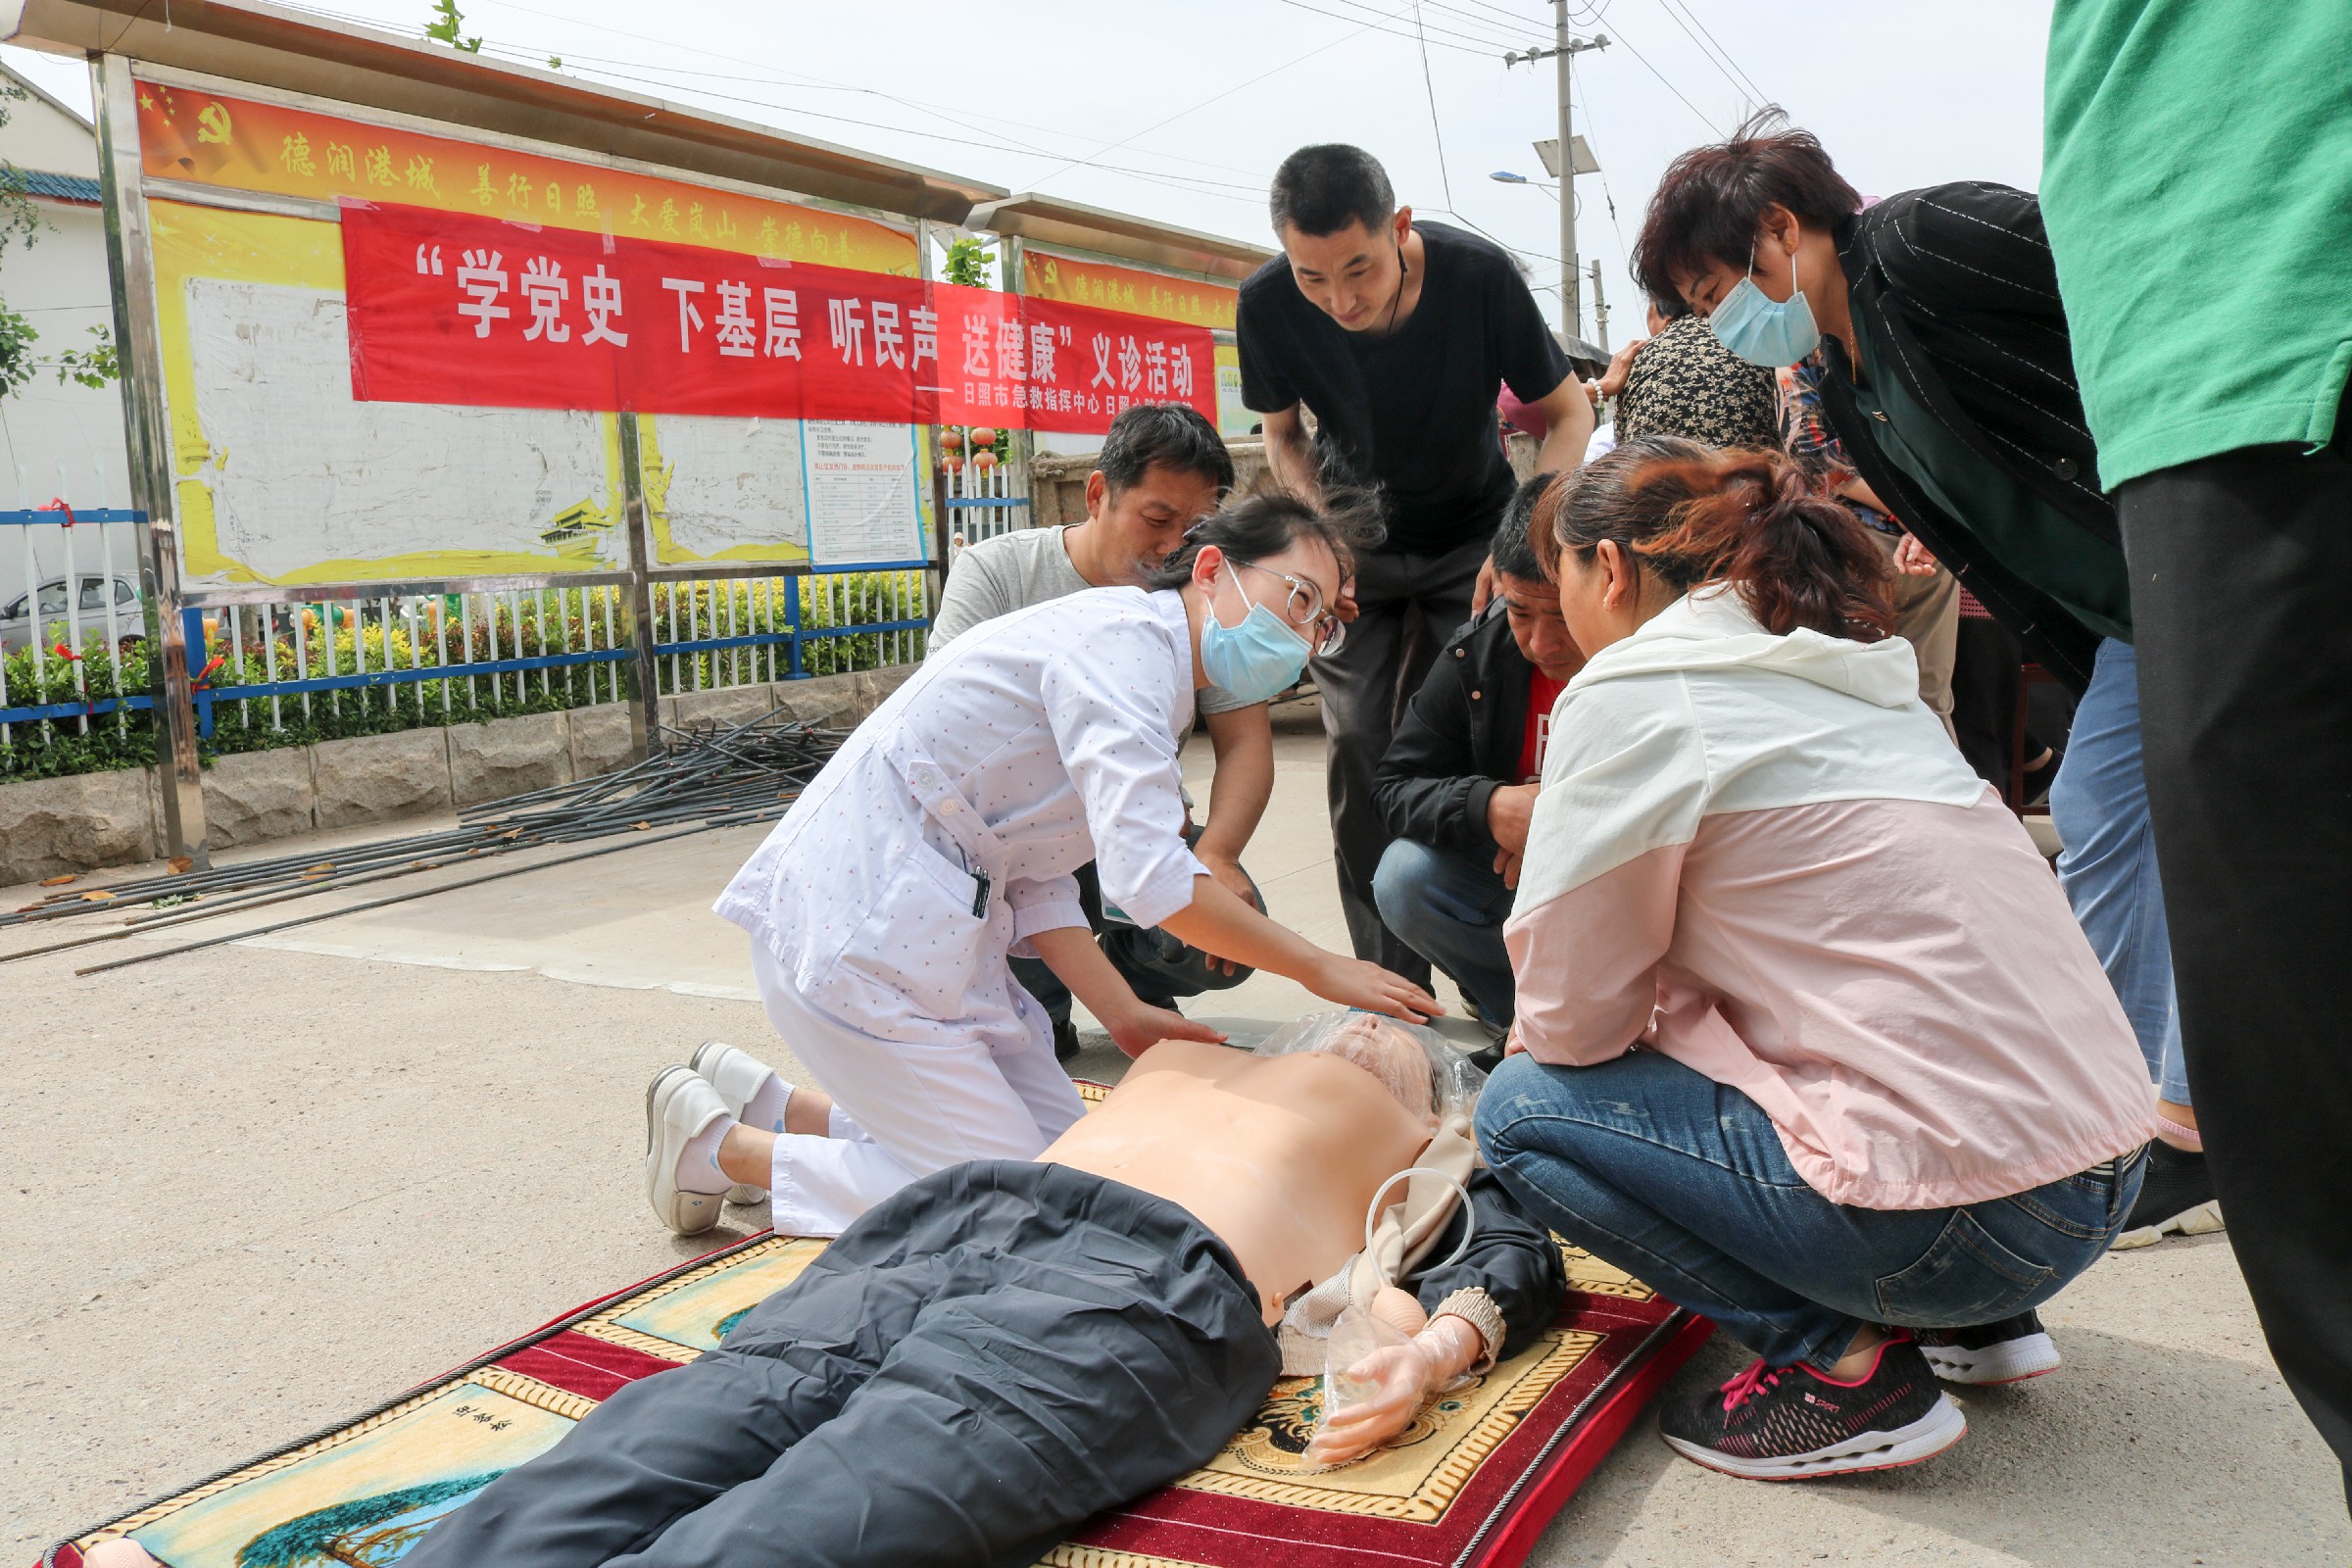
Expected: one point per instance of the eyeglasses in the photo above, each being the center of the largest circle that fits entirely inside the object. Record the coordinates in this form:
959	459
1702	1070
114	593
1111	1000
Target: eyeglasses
1303	609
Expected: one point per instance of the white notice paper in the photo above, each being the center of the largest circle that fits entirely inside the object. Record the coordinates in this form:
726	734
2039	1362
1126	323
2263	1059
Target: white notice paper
862	497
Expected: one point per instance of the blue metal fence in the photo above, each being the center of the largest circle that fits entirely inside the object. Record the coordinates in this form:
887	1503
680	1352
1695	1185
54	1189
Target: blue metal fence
786	639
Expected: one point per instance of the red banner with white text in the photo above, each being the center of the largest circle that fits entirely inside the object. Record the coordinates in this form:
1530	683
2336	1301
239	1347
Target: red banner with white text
452	309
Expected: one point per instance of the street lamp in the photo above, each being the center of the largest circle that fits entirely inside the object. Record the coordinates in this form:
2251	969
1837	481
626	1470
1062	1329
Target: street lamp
1506	178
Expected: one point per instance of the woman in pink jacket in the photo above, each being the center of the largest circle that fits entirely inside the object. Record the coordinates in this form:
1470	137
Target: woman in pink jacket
1807	1037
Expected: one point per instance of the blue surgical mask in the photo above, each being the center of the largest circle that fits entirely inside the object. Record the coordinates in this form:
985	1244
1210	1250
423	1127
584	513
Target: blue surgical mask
1762	330
1258	660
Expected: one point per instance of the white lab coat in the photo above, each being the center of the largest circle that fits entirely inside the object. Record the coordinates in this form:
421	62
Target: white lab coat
937	841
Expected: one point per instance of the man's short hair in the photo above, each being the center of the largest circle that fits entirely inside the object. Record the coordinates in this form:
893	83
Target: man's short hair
1514	552
1173	435
1321	190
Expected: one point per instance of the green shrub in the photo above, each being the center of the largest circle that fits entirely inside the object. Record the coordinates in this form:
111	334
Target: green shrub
523	624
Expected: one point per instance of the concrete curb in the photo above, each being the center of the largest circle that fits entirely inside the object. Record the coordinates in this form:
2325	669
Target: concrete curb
85	821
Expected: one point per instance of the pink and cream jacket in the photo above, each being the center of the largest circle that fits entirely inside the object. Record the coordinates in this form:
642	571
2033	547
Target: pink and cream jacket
1763	856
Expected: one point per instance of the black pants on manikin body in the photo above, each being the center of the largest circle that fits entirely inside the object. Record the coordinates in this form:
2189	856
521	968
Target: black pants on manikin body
2242	565
1409	605
980	1362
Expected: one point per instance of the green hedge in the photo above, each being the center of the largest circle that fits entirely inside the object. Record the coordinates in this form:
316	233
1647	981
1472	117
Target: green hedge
574	620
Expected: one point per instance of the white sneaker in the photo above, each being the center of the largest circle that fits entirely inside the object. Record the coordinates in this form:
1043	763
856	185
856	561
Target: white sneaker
737	1075
679	1108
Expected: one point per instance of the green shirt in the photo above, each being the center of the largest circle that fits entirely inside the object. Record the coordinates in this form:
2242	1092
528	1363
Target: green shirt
2027	535
2197	184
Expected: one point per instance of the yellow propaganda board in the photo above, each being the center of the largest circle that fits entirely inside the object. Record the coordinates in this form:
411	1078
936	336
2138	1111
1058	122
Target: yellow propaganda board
1050	274
284	478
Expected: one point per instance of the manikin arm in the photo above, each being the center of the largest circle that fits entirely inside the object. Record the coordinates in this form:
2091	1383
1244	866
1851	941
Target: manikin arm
1512	1261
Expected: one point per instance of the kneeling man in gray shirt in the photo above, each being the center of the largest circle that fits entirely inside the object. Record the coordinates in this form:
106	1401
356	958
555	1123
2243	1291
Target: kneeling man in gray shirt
1162	468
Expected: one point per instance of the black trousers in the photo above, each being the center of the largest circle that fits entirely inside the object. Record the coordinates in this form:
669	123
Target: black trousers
1410	606
971	1369
2241	567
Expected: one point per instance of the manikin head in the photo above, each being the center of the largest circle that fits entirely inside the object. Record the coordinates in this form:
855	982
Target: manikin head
1162	468
1424	1074
1337	218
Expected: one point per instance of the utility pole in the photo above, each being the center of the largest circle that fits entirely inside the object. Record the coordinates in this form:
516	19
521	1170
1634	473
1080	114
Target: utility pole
1601	310
1563	51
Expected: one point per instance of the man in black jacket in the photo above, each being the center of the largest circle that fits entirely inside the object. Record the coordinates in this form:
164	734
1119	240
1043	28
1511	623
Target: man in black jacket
1458	780
1951	386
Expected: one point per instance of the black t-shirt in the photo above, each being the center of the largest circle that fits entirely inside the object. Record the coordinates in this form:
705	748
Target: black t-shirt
1412	410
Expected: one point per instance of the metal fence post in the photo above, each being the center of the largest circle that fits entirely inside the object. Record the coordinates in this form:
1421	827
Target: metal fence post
179	776
637	601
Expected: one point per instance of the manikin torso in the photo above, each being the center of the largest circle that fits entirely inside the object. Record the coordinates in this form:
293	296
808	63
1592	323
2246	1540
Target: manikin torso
1279	1157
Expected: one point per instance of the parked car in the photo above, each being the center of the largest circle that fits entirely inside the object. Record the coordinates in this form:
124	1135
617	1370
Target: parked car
31	616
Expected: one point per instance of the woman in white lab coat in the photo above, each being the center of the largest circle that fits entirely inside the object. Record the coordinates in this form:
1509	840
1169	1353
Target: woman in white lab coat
942	838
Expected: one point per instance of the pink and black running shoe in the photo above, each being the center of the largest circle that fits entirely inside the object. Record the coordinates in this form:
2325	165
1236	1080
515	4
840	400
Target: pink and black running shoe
1790	1423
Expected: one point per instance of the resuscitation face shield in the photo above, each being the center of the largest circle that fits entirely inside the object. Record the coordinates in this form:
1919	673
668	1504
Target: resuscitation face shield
1425	1072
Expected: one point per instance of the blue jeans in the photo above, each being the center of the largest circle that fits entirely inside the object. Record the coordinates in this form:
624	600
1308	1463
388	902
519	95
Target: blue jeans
2099	806
1448	905
1682	1182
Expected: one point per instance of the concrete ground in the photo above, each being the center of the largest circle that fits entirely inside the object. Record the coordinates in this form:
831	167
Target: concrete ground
247	1192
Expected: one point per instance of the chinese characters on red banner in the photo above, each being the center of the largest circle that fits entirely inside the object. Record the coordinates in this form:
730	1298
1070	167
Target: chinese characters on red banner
445	308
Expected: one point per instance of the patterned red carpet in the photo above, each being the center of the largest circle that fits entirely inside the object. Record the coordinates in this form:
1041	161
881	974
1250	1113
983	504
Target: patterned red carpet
1472	1483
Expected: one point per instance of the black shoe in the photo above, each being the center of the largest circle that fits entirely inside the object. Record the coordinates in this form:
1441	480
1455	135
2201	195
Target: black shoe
1790	1423
2008	1351
1065	1040
1496	1030
2174	1197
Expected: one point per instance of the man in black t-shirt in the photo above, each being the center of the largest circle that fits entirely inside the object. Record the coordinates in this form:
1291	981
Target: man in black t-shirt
1399	336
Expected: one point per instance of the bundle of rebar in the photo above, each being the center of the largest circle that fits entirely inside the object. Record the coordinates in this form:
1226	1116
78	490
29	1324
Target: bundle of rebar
693	782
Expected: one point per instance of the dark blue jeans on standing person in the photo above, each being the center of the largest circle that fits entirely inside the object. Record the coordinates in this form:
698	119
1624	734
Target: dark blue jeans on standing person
1448	905
1682	1182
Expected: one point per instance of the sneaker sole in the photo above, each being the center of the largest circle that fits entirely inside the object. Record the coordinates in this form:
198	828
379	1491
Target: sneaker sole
2011	1361
1923	1439
713	1048
686	1213
2202	1220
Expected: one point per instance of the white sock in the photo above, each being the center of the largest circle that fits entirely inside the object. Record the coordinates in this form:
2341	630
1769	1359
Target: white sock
764	1110
698	1163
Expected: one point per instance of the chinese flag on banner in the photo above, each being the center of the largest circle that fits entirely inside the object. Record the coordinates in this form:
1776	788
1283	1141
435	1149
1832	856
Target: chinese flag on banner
444	308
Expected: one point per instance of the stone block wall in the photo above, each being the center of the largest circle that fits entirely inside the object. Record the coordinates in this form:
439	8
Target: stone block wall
52	826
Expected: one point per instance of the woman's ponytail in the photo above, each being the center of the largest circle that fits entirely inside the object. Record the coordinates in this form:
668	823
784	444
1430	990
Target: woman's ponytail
1747	517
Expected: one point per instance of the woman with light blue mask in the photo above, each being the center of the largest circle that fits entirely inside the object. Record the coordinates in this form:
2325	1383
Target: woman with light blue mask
1946	373
939	843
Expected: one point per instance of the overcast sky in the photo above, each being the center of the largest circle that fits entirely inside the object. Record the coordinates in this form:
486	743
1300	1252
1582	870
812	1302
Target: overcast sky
1181	112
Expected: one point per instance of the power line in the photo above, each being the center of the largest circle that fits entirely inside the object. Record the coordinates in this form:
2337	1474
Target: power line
1620	37
1367	26
1517	19
1743	89
818	81
603	64
1192	184
1474	19
1189	183
1482	41
1602	169
1436	132
1761	96
1214	98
